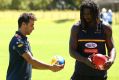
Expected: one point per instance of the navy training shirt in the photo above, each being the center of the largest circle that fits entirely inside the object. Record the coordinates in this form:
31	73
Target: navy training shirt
18	68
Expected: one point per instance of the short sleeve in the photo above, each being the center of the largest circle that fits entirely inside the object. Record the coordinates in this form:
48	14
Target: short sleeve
21	47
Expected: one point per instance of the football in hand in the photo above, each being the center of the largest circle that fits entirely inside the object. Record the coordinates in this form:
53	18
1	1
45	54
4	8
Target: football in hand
58	60
99	60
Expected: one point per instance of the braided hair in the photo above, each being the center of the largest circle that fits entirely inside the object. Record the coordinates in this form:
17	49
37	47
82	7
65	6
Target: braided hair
94	9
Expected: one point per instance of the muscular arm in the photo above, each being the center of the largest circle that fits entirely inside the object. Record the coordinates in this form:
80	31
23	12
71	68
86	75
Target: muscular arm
110	44
73	44
73	48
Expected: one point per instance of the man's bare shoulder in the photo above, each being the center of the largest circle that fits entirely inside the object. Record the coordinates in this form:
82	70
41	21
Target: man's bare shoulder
107	29
76	26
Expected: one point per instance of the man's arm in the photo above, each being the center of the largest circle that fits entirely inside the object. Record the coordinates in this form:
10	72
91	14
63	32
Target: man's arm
39	64
110	46
22	50
73	47
73	44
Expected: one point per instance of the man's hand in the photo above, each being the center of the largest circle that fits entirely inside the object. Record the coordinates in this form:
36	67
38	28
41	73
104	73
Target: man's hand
88	62
108	64
56	67
100	61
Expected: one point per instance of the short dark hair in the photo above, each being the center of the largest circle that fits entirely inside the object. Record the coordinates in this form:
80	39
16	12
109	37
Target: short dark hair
25	17
93	8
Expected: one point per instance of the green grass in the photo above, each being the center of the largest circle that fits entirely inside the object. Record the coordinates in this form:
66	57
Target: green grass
50	37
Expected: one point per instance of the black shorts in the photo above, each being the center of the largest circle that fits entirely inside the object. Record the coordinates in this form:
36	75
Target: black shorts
74	77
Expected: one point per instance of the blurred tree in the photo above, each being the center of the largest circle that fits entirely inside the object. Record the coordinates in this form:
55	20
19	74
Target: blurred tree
35	4
77	3
20	4
66	4
73	4
4	4
15	4
40	4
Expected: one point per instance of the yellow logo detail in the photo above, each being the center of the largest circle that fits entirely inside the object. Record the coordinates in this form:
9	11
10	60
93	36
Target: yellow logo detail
20	45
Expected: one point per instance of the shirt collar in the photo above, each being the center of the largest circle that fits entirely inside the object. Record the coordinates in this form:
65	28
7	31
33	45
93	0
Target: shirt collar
20	34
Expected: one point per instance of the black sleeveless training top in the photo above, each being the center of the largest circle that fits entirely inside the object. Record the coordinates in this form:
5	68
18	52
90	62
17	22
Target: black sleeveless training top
90	41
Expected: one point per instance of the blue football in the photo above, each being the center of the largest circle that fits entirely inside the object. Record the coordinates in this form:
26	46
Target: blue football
58	60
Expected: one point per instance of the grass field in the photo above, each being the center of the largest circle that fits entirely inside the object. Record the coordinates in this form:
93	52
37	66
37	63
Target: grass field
50	37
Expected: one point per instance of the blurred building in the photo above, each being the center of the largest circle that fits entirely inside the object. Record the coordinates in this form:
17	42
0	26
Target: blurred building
108	4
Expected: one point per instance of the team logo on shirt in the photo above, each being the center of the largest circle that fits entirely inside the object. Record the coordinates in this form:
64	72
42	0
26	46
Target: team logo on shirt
90	48
20	45
90	51
90	45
